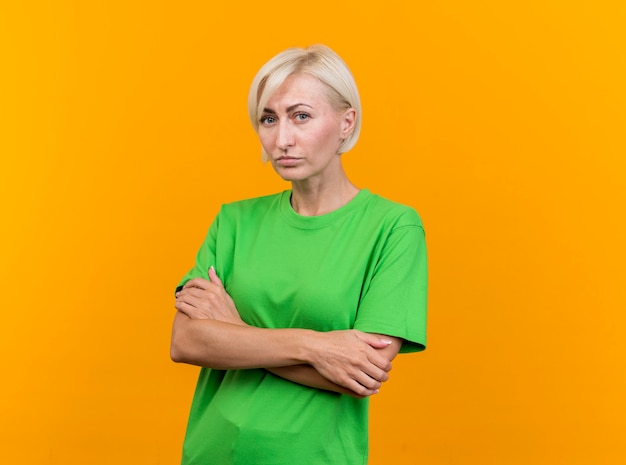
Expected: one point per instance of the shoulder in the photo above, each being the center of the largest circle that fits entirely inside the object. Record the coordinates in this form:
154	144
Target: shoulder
392	213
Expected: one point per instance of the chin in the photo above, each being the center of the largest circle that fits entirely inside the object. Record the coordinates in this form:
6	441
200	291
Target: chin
288	177
289	174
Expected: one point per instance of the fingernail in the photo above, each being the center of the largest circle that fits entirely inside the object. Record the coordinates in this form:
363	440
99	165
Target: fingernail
386	341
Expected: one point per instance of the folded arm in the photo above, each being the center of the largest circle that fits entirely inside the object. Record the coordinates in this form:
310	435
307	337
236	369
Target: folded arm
208	331
309	376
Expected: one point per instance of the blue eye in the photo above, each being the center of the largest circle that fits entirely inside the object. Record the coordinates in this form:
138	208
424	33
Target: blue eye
268	119
302	116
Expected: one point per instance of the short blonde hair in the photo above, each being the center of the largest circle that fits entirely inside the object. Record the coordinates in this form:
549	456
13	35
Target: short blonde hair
318	61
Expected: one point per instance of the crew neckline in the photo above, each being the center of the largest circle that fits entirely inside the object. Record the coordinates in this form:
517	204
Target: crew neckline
320	221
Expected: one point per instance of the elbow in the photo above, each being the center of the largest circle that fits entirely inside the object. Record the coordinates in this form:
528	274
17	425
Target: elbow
182	351
178	354
190	347
180	335
175	354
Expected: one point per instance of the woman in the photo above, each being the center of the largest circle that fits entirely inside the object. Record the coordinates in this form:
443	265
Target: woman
299	301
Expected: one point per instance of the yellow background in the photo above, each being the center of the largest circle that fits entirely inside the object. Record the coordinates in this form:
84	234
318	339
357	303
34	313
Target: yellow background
124	127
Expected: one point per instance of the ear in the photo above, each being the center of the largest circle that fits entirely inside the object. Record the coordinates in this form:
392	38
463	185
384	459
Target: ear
348	122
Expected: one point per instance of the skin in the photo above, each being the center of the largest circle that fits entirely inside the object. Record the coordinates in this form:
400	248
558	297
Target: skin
301	132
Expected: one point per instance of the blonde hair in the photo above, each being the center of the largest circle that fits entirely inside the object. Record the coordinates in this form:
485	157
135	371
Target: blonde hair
318	61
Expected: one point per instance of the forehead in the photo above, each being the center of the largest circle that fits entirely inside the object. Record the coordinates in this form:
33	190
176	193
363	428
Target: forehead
299	88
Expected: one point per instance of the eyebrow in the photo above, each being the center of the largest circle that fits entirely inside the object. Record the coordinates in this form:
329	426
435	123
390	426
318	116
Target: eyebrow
289	109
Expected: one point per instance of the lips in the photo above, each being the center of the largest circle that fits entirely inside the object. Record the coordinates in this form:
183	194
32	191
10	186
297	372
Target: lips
287	161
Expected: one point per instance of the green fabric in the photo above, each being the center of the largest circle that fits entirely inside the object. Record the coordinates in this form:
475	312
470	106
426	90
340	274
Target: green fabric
362	266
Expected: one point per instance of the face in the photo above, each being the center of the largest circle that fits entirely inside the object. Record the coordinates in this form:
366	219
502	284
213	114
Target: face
301	132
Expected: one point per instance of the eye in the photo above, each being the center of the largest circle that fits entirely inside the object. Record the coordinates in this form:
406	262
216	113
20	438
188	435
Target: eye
267	119
302	116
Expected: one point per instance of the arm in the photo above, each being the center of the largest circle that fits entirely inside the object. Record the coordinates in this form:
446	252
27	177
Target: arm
207	331
338	357
309	376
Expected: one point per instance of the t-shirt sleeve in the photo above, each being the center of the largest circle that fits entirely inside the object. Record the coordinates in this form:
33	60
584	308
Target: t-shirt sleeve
205	257
395	300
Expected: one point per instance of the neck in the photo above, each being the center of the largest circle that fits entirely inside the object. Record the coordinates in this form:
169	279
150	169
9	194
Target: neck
313	199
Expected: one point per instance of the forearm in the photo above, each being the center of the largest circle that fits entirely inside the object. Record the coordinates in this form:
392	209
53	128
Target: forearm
309	376
220	345
347	358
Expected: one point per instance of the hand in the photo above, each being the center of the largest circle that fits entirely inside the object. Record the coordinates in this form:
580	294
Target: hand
352	359
202	299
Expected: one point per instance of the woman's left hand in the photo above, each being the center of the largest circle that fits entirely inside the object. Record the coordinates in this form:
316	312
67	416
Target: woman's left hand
202	299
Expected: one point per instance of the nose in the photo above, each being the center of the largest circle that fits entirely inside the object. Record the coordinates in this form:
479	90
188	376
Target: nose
285	136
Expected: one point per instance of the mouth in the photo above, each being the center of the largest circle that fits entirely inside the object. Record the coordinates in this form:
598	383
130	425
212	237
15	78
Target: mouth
287	161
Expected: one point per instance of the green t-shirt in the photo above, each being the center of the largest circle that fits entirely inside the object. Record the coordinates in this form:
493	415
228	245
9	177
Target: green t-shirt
362	266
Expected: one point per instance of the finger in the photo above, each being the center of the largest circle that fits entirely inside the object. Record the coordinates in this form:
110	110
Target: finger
379	375
214	278
200	283
380	363
190	293
373	372
197	293
373	340
359	383
183	307
195	296
366	389
186	301
367	381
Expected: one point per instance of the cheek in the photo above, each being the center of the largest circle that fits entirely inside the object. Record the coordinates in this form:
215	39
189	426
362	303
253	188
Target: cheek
328	136
265	138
